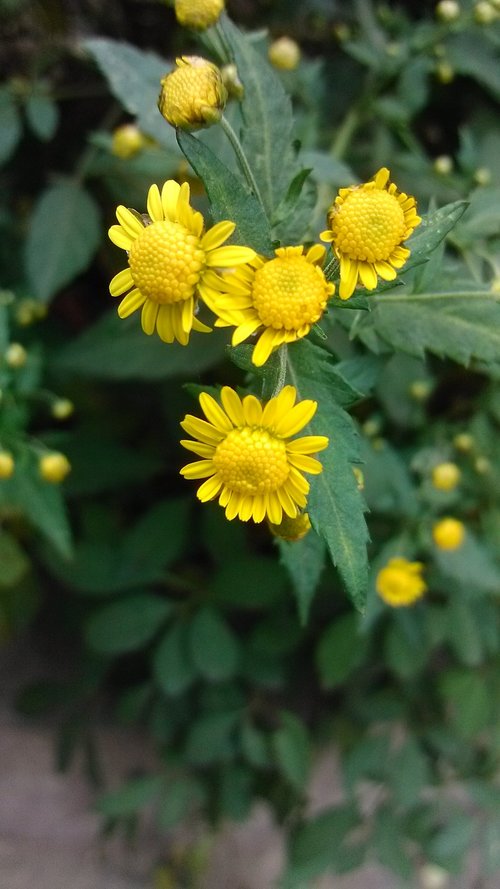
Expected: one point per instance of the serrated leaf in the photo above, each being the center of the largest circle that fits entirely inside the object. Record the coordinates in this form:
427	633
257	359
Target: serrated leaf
229	197
10	125
119	350
334	504
126	625
64	234
214	648
43	116
134	79
304	560
431	231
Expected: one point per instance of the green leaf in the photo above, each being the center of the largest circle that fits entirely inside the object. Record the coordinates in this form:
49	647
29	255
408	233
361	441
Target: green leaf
172	666
431	231
43	116
471	566
304	560
471	54
211	738
235	792
41	502
340	650
409	774
131	797
64	234
10	125
126	625
100	464
181	796
388	844
134	79
334	504
229	198
321	844
470	701
249	582
292	750
387	483
268	121
214	647
13	560
463	632
119	350
450	844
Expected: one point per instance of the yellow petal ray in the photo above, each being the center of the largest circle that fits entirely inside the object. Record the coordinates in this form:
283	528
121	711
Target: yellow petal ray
148	316
259	508
130	224
187	312
200	327
225	497
214	413
202	430
245	330
297	479
216	236
155	206
252	410
225	257
309	444
327	236
164	324
264	346
121	282
274	508
209	296
368	275
285	400
233	506
209	489
305	464
130	303
120	237
246	508
198	447
348	276
381	177
298	417
232	406
298	496
181	336
169	197
198	469
316	253
287	502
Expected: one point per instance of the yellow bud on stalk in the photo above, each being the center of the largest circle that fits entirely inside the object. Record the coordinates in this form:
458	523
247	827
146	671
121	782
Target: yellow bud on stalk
443	165
292	529
448	11
54	467
446	476
198	14
232	81
193	94
485	13
127	141
15	355
445	73
284	54
463	442
62	409
6	464
448	533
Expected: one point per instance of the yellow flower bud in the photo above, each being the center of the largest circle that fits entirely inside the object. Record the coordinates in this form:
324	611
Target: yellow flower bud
292	529
127	141
193	94
446	476
284	54
433	877
482	176
6	464
54	467
484	13
15	355
445	72
443	165
448	533
62	409
400	582
198	14
28	311
463	442
482	465
420	389
232	82
359	476
448	10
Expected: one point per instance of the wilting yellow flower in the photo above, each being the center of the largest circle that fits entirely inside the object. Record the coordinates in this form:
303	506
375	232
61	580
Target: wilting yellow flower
448	533
292	529
446	476
400	582
282	297
193	94
284	53
367	225
198	14
6	464
127	141
169	259
54	467
247	460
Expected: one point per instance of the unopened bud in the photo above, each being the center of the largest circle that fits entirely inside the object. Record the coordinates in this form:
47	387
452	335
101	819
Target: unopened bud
291	529
443	165
482	176
15	355
127	141
446	476
54	467
6	464
482	465
484	13
445	73
448	533
62	409
284	54
463	442
193	94
198	14
420	389
232	82
448	10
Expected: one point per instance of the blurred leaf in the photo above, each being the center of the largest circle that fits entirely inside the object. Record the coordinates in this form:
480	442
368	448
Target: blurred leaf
471	566
43	116
490	841
172	666
10	125
292	750
235	792
469	700
229	197
134	79
131	797
119	350
248	582
304	560
463	633
64	234
211	738
13	561
320	844
214	647
254	746
340	650
100	464
41	502
181	796
387	483
409	774
127	624
388	843
431	231
405	657
451	843
334	504
471	54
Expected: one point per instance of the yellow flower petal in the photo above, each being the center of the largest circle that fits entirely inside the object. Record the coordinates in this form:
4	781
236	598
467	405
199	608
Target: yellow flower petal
148	316
298	417
130	224
217	235
225	257
252	410
120	237
214	413
122	282
130	303
232	406
155	207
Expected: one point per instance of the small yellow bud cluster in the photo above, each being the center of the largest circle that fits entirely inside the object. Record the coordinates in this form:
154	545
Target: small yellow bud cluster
127	141
54	467
292	529
448	533
198	14
446	476
284	54
448	11
420	389
463	442
28	311
6	464
193	94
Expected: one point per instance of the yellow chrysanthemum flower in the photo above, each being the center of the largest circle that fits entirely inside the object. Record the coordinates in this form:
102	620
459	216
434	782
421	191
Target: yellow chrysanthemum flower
446	476
400	582
193	95
448	533
283	297
292	529
247	460
367	225
169	259
198	14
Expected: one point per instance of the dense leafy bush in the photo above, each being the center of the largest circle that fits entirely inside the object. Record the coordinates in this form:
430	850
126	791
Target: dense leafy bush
237	649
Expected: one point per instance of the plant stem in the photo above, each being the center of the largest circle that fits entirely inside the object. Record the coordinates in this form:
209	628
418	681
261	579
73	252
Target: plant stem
242	160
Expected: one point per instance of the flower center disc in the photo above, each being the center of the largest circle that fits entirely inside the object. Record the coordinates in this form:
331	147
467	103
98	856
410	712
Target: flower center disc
368	225
251	461
288	292
166	261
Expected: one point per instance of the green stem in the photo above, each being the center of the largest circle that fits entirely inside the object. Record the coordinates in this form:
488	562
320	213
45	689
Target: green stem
242	160
345	133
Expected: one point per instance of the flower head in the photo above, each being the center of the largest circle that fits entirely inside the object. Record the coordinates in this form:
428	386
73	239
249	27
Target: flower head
400	582
292	529
448	533
247	459
367	226
281	298
193	94
446	476
169	259
284	54
54	467
198	14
